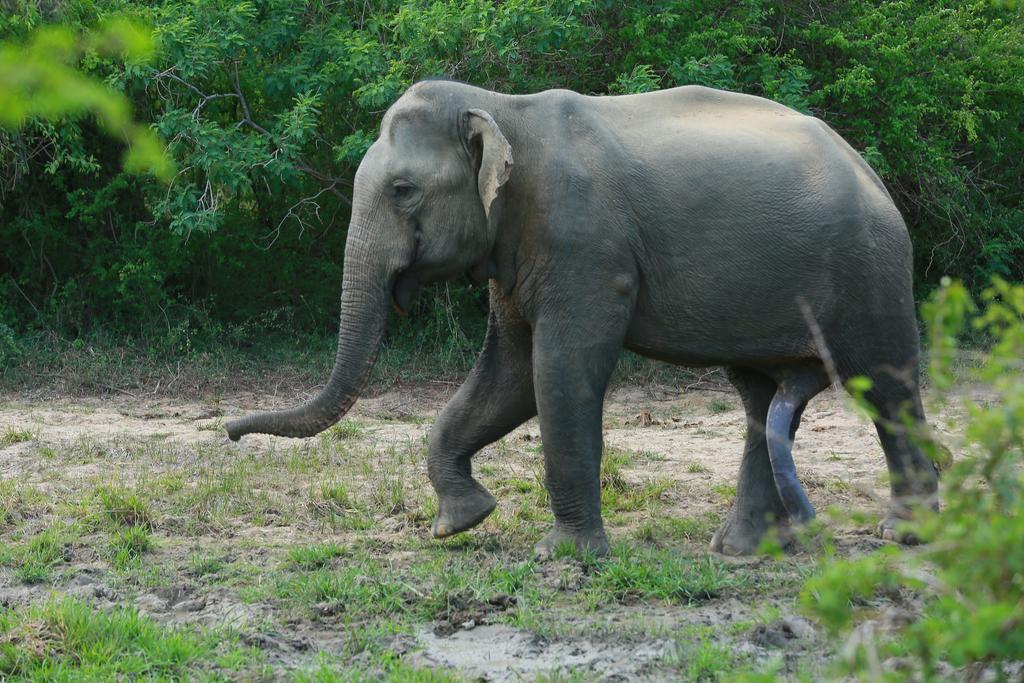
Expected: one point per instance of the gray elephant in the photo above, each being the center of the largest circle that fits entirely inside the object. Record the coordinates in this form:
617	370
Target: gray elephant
694	226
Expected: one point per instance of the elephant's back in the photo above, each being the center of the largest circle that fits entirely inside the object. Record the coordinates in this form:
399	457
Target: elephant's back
693	100
752	217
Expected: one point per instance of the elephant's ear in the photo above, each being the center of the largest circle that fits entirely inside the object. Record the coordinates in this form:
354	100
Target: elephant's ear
495	159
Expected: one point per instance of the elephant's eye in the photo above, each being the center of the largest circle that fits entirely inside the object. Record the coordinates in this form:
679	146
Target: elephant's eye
402	190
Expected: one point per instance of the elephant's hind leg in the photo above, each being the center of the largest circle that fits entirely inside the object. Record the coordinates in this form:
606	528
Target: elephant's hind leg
758	506
496	398
768	495
901	428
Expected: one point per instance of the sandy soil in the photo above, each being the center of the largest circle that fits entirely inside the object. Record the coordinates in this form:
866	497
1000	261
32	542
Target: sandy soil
691	439
694	438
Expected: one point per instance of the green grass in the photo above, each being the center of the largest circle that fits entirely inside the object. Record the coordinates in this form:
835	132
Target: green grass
216	425
315	556
16	501
674	530
332	502
367	568
67	639
391	669
356	583
362	589
205	565
41	554
13	435
128	545
618	494
647	574
613	461
720	405
386	494
124	507
226	493
726	491
705	659
345	430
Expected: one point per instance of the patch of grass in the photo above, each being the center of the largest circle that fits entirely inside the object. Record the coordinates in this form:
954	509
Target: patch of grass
336	494
726	491
13	435
15	500
566	550
667	575
424	513
720	405
227	492
128	544
333	503
168	484
205	565
541	498
362	587
613	460
696	468
68	639
699	528
389	666
42	553
524	486
671	530
216	425
707	659
646	532
124	507
316	556
387	487
765	615
345	430
635	497
618	494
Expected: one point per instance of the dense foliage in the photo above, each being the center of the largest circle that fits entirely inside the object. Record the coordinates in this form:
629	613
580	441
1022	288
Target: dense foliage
267	106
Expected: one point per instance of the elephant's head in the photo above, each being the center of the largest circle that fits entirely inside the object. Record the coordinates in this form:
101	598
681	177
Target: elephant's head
424	208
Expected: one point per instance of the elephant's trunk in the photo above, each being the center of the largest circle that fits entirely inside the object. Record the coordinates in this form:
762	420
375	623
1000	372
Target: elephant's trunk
364	305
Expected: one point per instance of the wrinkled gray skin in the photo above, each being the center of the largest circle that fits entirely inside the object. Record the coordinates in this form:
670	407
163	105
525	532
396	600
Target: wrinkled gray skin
695	226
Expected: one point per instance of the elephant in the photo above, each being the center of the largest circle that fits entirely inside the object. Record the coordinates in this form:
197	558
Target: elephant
690	225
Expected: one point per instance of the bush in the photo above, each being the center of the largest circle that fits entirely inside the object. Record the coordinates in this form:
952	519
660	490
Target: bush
268	105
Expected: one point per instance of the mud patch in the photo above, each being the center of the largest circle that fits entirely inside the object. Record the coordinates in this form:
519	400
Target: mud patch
498	652
466	613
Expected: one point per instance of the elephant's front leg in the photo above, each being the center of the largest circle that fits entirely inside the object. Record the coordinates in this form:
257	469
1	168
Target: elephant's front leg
572	366
496	398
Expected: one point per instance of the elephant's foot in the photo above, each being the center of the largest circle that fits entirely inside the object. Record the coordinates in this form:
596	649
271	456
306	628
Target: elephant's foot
462	511
894	528
743	536
896	524
590	542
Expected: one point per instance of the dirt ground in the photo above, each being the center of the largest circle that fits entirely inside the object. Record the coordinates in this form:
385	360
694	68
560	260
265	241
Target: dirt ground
230	520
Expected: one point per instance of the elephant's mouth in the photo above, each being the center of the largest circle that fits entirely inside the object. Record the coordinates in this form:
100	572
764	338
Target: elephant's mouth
403	292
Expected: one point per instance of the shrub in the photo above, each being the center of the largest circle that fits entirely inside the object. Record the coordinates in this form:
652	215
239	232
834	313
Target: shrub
268	106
